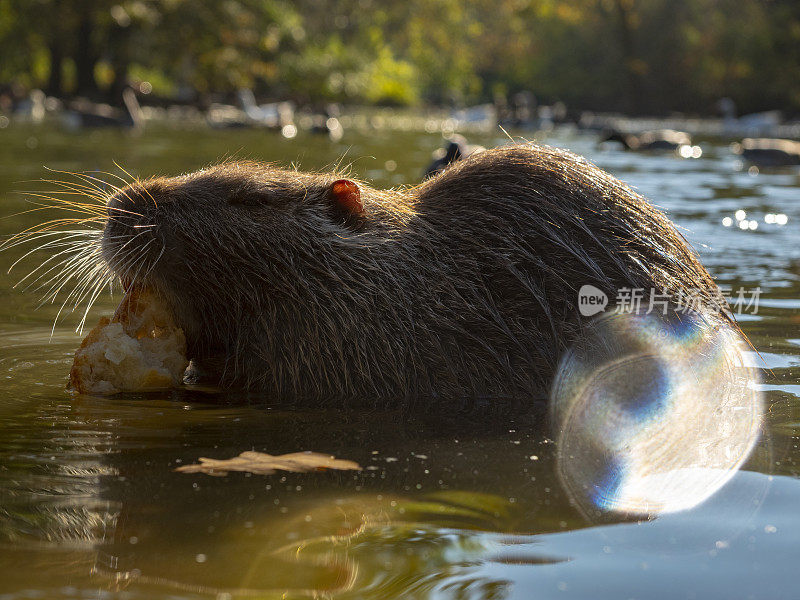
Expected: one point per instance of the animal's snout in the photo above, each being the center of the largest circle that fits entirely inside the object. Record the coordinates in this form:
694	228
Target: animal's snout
128	215
129	235
123	206
131	207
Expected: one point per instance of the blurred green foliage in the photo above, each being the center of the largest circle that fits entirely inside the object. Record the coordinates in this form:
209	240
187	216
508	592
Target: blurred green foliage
635	55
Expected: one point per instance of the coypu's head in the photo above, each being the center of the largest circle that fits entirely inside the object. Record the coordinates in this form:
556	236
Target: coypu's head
224	245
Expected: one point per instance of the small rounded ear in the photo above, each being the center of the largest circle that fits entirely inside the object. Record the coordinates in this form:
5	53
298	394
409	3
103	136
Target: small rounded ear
347	196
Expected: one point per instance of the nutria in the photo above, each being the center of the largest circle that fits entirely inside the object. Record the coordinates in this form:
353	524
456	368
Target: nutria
307	285
656	140
769	152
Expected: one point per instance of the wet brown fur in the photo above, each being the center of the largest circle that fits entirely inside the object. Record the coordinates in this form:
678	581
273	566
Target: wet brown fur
464	286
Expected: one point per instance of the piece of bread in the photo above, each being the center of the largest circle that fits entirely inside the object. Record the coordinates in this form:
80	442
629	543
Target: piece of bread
138	349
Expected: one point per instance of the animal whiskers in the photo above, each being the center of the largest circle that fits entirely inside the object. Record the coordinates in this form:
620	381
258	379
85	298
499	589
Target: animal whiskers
74	271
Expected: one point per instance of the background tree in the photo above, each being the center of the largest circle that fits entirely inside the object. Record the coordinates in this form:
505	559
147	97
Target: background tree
640	56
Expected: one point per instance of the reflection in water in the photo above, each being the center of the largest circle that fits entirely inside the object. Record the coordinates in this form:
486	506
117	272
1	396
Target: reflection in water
428	509
383	546
655	413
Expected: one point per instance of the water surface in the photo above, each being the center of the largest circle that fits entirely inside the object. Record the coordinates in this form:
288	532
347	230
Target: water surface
90	504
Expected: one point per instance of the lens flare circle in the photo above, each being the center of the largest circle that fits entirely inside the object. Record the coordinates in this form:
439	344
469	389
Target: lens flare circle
654	413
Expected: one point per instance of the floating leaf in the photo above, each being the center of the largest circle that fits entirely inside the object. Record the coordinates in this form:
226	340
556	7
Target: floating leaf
260	463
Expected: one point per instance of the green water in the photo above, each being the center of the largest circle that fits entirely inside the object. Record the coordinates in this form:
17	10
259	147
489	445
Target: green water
91	507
